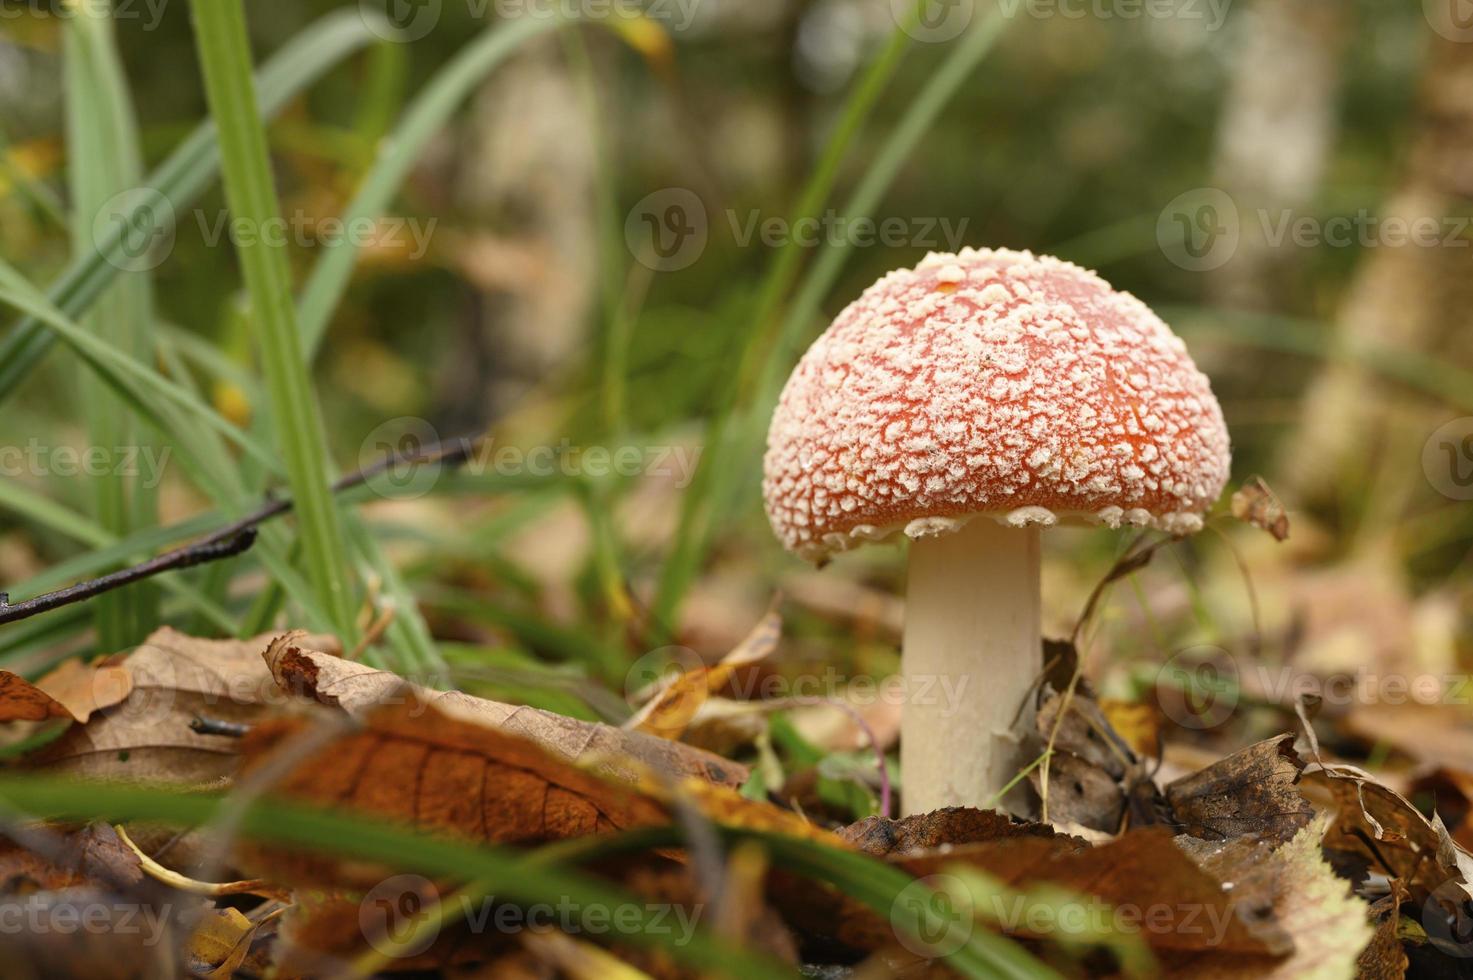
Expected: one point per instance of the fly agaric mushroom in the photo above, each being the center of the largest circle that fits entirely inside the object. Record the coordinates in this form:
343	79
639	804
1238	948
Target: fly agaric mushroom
967	403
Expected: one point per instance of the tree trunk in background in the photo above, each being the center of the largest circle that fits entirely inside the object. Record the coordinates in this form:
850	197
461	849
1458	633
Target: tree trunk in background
1405	297
1278	124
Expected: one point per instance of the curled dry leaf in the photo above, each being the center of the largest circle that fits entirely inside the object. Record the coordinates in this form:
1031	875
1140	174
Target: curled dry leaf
1254	791
360	690
1256	504
1380	830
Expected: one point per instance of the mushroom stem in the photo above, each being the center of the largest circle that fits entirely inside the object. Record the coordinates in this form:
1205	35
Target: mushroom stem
972	651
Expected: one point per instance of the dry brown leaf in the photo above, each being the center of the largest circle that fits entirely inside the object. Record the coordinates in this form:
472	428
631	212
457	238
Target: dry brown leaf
1142	873
1327	924
440	768
1383	831
1254	791
1093	774
1256	504
91	857
882	836
84	689
359	690
674	704
219	943
20	700
1385	958
173	679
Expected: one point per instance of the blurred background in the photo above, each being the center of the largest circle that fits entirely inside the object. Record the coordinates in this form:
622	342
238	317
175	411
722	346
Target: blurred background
594	264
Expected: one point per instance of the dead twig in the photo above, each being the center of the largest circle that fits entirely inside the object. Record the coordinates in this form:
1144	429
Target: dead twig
233	539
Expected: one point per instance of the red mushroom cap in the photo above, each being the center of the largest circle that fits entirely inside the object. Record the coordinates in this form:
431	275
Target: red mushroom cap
993	383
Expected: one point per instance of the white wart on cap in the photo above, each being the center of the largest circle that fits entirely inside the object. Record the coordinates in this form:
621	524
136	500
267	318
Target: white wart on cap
991	383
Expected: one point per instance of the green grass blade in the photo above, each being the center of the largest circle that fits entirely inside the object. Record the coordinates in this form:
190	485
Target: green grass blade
511	876
220	35
180	180
104	161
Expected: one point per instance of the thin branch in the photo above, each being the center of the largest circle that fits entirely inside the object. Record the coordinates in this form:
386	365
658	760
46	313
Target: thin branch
233	539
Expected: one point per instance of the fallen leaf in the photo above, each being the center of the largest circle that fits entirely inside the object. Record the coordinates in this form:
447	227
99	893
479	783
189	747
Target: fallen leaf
1254	791
441	768
20	700
1256	504
359	690
883	836
173	679
219	942
84	689
93	856
1327	924
675	703
1384	958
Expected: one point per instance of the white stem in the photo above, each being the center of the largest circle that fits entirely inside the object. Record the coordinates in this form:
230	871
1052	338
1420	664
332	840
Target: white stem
972	652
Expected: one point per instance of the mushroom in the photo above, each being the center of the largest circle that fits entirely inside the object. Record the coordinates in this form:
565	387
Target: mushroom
967	404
